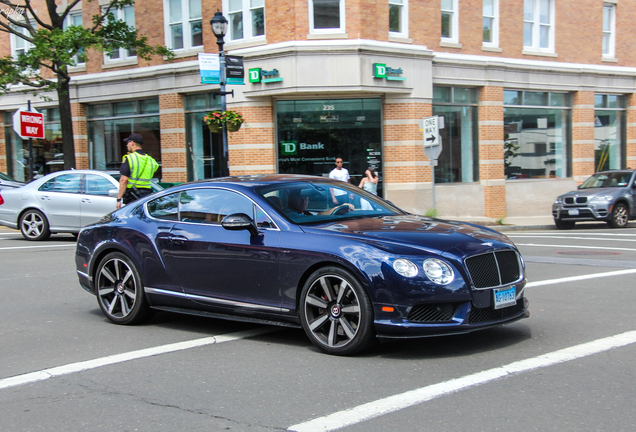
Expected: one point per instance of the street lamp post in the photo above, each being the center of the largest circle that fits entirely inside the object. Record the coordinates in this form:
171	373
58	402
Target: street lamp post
219	28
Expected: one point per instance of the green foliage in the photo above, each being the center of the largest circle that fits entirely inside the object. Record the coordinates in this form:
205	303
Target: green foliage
219	118
500	221
432	213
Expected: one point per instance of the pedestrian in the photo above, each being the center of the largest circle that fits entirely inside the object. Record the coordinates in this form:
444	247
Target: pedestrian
370	182
137	170
339	196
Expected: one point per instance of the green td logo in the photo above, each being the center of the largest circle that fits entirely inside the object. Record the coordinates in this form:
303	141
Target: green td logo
255	75
379	70
288	148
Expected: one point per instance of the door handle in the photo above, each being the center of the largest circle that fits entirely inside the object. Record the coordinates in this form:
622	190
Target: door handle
45	198
177	239
86	200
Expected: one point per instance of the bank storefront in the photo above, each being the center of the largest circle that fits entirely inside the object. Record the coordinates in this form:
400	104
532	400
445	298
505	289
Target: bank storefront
311	134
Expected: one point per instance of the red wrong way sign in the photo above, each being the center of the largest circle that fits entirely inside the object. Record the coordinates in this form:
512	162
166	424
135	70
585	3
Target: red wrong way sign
28	124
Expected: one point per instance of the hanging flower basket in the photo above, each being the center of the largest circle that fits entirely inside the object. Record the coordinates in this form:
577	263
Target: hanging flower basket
233	120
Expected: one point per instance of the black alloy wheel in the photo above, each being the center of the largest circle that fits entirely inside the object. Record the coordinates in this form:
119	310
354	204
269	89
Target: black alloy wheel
120	290
34	226
336	312
563	225
620	216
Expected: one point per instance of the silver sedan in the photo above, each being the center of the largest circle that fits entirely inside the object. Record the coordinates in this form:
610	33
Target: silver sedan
60	202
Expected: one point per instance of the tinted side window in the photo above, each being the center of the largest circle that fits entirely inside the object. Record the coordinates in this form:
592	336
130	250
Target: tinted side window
47	185
165	207
68	183
212	205
98	185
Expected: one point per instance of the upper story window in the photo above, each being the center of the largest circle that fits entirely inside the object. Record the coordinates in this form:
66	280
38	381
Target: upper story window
183	24
327	16
75	19
491	23
19	45
127	15
398	18
246	18
450	21
538	25
609	29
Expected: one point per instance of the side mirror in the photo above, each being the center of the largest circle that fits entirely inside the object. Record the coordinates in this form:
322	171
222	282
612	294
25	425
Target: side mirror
239	221
113	193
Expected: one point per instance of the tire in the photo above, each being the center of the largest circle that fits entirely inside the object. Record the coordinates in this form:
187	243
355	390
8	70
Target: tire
119	290
620	216
34	226
336	312
563	225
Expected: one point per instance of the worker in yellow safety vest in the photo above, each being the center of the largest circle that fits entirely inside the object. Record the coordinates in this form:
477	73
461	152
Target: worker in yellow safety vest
136	171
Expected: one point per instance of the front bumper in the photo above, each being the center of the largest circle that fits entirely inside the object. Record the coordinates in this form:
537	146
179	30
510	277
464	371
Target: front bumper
590	212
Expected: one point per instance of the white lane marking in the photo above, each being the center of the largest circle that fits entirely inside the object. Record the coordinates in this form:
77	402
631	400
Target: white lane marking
124	357
580	278
575	238
573	247
530	234
34	247
407	399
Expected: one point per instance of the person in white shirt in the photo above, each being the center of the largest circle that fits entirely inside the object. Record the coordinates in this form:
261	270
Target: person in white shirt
339	173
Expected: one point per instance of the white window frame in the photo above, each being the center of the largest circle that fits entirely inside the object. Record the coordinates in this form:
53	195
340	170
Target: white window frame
15	39
340	30
611	32
248	11
494	43
124	53
186	26
537	25
404	18
454	36
69	22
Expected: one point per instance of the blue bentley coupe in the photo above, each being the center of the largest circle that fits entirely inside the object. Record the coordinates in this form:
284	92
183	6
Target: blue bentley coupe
301	251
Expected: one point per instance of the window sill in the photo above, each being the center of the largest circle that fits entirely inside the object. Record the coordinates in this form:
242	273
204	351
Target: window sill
448	44
78	68
539	53
400	39
245	44
328	36
491	48
114	63
186	52
610	59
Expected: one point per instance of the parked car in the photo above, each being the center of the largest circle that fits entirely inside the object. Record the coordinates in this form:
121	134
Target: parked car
605	196
275	249
60	202
7	182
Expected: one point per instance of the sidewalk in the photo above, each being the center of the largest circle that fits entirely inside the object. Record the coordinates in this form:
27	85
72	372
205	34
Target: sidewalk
529	223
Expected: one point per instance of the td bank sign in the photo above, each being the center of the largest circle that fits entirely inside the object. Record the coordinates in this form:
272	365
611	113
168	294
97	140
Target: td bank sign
382	71
290	148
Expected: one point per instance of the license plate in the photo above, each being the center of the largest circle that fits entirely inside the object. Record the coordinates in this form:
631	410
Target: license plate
505	297
573	212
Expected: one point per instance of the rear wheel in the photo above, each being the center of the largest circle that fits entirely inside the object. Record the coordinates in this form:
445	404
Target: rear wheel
620	216
34	226
120	290
336	312
563	225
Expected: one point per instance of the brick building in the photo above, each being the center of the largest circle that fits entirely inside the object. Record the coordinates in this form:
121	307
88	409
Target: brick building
536	95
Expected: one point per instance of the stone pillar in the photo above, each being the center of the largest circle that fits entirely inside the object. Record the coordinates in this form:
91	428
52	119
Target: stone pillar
491	151
407	173
252	150
80	135
631	130
582	135
173	138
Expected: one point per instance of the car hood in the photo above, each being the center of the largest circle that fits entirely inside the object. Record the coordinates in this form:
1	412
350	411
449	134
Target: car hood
418	232
595	191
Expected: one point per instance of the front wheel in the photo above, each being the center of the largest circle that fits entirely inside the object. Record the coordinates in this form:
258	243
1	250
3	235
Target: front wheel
120	291
336	312
620	216
34	226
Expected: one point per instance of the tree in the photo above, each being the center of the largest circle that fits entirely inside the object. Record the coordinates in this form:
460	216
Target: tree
54	47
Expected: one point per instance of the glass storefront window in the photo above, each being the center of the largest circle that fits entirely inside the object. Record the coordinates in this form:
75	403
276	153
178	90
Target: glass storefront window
109	124
205	149
536	140
458	161
312	133
609	130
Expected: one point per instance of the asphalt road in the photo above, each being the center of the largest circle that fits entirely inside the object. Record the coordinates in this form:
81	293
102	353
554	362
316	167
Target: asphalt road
570	366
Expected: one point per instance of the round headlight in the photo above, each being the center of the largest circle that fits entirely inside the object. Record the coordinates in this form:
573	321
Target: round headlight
438	271
405	267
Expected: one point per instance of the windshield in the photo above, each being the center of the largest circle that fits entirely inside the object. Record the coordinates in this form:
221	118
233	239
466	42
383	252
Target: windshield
308	202
611	179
